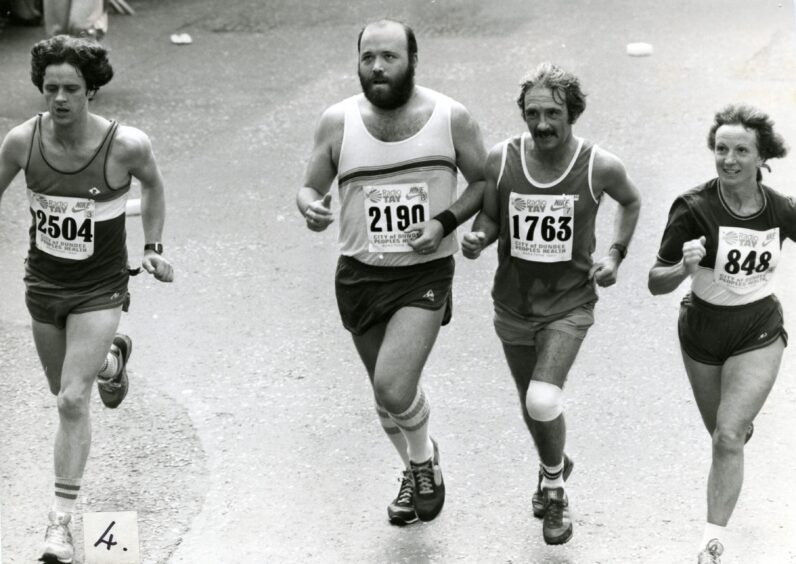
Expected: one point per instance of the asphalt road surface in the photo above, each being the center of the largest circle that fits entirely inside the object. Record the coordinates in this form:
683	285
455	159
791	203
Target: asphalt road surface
249	434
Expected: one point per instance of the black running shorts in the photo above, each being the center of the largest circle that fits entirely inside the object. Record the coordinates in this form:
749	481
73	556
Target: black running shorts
711	334
52	303
369	295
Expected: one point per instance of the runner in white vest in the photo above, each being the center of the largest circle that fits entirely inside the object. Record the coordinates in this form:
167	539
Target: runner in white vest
395	151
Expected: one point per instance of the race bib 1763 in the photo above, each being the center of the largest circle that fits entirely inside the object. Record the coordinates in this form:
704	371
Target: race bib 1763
389	210
541	226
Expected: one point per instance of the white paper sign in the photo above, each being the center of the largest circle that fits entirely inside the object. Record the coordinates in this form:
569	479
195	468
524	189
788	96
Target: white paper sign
111	538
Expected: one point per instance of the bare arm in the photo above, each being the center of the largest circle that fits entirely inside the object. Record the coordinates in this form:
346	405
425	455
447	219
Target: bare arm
313	198
610	177
665	278
486	226
14	153
140	160
470	157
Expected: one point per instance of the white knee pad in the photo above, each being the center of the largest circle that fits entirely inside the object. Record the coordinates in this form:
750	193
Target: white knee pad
544	401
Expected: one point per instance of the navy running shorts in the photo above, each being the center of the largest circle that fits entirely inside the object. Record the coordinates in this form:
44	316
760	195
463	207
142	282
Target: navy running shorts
513	329
51	303
369	295
711	334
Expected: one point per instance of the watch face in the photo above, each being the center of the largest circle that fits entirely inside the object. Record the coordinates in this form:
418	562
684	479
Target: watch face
157	247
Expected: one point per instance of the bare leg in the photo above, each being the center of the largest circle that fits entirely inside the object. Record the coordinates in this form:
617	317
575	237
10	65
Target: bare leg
408	339
368	346
746	381
554	354
706	384
88	337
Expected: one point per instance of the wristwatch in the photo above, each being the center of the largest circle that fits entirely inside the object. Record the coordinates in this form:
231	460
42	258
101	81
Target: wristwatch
157	247
621	249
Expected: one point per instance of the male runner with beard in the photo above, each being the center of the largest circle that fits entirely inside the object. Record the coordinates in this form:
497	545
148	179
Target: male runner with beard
395	151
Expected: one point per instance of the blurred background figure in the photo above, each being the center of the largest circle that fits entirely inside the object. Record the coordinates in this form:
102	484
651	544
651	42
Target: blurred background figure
80	18
23	12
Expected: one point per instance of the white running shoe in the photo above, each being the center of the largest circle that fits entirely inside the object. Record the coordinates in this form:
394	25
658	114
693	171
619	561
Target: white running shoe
58	548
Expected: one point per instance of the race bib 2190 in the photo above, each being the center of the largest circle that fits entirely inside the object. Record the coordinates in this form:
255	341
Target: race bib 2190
389	210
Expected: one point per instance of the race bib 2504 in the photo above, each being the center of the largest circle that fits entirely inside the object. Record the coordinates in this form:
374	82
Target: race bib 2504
64	226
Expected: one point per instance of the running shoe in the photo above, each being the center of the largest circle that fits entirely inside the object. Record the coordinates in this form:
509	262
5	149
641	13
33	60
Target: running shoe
113	390
557	526
538	497
711	553
429	495
401	510
58	548
750	430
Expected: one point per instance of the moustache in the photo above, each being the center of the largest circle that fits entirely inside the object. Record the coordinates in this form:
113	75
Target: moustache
544	132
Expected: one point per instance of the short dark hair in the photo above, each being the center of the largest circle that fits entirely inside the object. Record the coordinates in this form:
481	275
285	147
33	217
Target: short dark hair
87	56
411	40
770	144
565	86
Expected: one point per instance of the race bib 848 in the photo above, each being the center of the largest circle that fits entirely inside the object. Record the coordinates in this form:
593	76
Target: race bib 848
745	258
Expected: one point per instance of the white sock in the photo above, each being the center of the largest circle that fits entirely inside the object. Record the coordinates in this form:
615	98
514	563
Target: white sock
414	426
110	367
553	476
712	532
66	492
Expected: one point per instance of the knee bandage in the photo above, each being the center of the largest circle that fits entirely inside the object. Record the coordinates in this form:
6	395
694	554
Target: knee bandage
544	401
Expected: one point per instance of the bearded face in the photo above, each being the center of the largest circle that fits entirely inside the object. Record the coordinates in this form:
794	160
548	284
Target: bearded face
387	91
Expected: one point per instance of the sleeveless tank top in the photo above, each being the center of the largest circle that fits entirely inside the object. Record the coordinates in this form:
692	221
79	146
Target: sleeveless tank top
546	234
77	232
385	187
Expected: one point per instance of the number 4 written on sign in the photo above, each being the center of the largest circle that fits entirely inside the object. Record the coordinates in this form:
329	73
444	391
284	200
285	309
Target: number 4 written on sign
109	541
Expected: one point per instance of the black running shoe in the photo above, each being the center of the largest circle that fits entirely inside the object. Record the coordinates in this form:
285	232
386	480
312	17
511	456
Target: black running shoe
538	497
401	510
557	526
429	495
113	390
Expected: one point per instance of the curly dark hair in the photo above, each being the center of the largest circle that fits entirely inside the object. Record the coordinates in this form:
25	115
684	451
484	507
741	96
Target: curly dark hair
770	144
87	56
565	86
